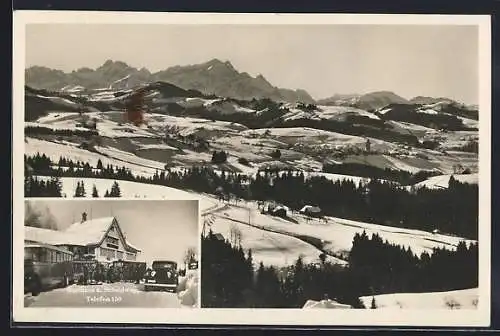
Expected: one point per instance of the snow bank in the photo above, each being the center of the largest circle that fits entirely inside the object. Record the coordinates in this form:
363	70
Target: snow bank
328	304
188	289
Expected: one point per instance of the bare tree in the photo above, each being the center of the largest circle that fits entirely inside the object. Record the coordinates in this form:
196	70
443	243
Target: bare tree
235	235
41	219
190	255
31	216
239	237
49	221
208	221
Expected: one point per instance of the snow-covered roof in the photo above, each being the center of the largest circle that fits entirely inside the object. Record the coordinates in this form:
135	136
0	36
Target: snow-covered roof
328	304
310	208
281	207
48	246
131	246
46	236
89	232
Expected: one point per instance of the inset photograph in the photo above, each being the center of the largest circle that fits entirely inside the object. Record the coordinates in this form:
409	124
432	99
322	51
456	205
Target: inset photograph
111	253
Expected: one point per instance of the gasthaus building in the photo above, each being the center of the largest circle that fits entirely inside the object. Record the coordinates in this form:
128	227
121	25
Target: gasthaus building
100	239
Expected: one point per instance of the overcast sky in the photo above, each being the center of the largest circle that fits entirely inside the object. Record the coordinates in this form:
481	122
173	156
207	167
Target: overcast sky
161	229
322	59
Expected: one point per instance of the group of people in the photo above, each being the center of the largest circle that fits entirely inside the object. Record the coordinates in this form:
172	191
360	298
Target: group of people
96	272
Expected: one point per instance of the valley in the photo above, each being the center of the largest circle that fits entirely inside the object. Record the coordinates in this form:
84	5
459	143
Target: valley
246	151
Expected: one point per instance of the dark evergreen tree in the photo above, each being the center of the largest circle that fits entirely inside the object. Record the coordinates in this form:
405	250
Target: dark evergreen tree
94	191
115	190
78	190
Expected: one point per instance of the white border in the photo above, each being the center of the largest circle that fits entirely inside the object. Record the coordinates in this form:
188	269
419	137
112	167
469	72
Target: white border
477	317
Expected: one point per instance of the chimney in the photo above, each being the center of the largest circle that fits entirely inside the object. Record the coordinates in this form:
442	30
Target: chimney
84	217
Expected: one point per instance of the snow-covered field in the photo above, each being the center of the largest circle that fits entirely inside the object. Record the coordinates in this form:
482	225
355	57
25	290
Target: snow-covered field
458	299
54	150
299	145
326	112
134	190
187	125
305	132
441	181
337	234
109	123
129	157
270	248
59	100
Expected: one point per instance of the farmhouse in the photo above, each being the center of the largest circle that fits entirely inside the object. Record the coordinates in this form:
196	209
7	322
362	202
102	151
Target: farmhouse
277	210
310	210
101	239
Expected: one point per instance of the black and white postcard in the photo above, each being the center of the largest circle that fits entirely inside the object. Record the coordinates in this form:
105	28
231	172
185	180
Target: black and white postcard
111	253
339	161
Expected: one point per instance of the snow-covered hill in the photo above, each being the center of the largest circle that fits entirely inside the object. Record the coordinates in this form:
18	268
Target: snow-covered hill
458	299
134	190
335	234
441	181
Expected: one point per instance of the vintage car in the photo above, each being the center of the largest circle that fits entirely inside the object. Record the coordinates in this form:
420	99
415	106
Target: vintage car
163	275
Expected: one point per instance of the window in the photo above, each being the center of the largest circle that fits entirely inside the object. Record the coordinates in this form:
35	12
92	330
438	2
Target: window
108	253
31	253
43	255
111	242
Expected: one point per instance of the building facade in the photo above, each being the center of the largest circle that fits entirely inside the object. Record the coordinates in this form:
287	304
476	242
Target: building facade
101	239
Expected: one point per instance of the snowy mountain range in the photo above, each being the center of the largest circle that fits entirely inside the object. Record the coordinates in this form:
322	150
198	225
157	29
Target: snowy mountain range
213	77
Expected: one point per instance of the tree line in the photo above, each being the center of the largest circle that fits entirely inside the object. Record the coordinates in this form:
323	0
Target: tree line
358	169
43	165
39	187
231	280
80	190
35	187
40	130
